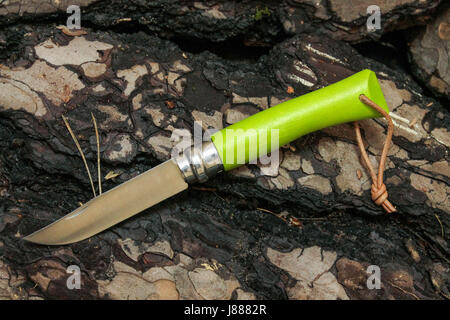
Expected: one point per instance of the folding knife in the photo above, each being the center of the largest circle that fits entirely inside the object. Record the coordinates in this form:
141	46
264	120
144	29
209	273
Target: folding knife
229	148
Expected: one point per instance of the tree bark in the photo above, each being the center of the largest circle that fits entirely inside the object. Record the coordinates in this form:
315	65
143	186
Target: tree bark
306	228
257	23
429	54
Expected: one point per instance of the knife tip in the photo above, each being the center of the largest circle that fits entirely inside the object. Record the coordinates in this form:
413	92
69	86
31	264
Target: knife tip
30	238
34	238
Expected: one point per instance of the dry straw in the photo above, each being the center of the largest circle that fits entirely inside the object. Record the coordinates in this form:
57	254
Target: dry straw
98	155
81	152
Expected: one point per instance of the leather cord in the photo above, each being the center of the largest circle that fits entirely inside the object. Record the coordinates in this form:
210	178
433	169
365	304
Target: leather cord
378	191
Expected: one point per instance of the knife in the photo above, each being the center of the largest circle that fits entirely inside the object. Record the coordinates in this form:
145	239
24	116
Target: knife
240	143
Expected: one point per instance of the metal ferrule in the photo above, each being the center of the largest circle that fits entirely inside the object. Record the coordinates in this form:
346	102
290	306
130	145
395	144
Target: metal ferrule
199	163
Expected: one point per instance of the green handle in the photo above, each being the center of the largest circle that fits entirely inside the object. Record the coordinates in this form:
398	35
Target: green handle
270	129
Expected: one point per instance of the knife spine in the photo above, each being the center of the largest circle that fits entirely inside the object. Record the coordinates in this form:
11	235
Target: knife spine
198	163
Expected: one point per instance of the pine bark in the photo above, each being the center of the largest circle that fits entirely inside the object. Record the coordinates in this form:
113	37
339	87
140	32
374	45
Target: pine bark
256	232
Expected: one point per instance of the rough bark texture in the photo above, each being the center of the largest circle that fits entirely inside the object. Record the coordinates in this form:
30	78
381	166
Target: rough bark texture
303	229
429	53
255	22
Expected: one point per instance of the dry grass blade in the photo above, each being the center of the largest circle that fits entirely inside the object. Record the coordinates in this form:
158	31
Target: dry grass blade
272	213
111	175
442	227
98	155
80	151
404	291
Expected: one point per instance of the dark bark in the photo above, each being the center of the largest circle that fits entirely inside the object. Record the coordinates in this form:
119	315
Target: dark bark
257	23
429	53
243	232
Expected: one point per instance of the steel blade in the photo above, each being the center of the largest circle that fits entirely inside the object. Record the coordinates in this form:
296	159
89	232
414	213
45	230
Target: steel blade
114	206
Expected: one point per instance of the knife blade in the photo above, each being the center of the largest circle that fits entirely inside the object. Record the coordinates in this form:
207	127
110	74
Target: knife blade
332	105
114	206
